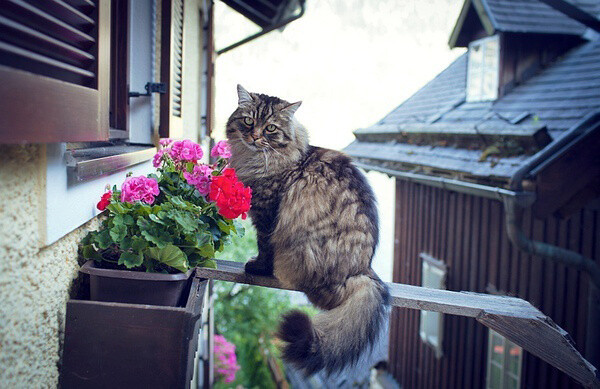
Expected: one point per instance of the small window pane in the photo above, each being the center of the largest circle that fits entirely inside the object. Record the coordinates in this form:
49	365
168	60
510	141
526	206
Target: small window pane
504	362
512	383
514	358
482	77
431	326
495	381
497	349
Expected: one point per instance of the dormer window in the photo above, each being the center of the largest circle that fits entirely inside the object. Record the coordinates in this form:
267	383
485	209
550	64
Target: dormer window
482	74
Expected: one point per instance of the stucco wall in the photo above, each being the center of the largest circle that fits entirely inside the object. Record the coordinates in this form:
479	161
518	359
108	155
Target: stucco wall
34	280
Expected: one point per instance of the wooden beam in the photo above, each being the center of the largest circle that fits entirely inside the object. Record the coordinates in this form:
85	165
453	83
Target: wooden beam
514	318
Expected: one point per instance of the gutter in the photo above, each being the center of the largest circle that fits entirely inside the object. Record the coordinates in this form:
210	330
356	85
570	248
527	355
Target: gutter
514	210
265	31
522	198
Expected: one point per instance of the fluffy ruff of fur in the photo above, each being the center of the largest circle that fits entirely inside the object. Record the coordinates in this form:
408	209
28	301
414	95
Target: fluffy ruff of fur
317	229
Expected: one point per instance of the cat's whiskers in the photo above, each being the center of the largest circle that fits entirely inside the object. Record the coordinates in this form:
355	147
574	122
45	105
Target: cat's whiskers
266	161
273	149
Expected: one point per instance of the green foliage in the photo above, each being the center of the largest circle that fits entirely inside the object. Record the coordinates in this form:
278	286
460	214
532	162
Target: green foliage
248	316
179	231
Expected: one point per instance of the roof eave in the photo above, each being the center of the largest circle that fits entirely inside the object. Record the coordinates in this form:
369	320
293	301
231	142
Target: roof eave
484	17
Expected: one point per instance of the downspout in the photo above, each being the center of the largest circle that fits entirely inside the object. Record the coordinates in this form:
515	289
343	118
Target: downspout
514	228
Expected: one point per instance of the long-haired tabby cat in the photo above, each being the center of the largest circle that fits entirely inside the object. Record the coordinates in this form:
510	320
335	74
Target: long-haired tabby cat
317	227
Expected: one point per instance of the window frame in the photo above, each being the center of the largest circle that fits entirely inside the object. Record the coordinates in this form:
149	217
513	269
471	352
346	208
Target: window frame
505	360
481	76
436	343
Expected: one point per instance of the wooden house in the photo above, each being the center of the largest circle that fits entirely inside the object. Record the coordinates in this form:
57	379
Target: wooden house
498	190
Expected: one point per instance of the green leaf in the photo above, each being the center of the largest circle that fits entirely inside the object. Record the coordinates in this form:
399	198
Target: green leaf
225	226
154	233
239	228
178	201
89	252
202	238
210	263
117	208
131	259
207	250
89	238
125	219
125	243
138	244
156	219
186	220
118	232
143	210
169	255
103	239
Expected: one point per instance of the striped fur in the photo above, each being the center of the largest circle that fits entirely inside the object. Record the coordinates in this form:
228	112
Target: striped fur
317	226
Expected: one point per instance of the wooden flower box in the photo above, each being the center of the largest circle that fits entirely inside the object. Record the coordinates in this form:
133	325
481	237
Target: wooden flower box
118	345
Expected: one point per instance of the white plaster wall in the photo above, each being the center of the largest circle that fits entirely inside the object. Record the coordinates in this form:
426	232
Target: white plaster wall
350	61
34	280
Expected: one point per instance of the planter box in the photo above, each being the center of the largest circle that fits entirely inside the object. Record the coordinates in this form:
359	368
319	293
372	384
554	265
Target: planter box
118	345
135	287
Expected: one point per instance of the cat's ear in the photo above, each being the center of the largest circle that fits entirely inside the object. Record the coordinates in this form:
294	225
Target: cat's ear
244	96
291	109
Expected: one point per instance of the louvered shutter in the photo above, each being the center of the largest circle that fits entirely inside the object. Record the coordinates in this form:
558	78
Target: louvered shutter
172	68
54	70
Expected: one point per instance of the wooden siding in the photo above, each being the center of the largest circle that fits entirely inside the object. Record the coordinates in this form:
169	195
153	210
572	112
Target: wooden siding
468	234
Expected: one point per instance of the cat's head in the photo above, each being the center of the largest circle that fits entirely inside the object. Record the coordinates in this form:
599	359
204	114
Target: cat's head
264	123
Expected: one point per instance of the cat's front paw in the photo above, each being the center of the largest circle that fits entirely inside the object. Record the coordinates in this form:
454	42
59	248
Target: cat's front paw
258	267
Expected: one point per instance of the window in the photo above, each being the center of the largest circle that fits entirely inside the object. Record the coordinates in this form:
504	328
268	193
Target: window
482	74
503	363
432	323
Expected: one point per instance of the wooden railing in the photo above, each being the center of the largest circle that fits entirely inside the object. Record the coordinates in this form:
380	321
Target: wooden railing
514	318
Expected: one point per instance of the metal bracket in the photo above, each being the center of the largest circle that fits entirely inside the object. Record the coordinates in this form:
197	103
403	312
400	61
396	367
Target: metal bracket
151	87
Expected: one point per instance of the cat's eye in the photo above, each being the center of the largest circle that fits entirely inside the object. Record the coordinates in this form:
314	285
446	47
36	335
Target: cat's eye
248	121
271	128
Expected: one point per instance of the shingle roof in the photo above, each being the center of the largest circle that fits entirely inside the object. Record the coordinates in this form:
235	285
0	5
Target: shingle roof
530	16
520	16
556	99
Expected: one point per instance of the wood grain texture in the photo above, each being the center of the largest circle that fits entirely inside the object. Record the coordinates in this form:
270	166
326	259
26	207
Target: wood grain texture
512	317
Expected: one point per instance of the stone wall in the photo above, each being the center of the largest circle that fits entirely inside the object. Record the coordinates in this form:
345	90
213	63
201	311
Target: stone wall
35	281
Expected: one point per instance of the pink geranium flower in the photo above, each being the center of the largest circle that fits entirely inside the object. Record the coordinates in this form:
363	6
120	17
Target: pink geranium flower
185	151
157	160
164	142
139	189
221	149
200	177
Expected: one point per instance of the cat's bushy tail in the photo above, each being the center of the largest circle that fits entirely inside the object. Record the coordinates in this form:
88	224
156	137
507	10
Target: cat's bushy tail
334	339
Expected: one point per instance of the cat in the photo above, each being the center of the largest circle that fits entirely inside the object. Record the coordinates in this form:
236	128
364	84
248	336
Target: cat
317	229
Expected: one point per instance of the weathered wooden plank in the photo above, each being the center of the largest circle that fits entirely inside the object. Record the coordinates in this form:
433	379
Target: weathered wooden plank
512	317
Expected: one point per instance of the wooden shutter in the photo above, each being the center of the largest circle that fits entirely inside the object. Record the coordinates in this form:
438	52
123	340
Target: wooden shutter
171	68
54	70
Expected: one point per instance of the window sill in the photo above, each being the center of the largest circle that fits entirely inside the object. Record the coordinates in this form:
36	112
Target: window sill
85	164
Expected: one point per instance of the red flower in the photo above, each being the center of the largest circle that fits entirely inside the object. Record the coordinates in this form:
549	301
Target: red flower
231	196
104	201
